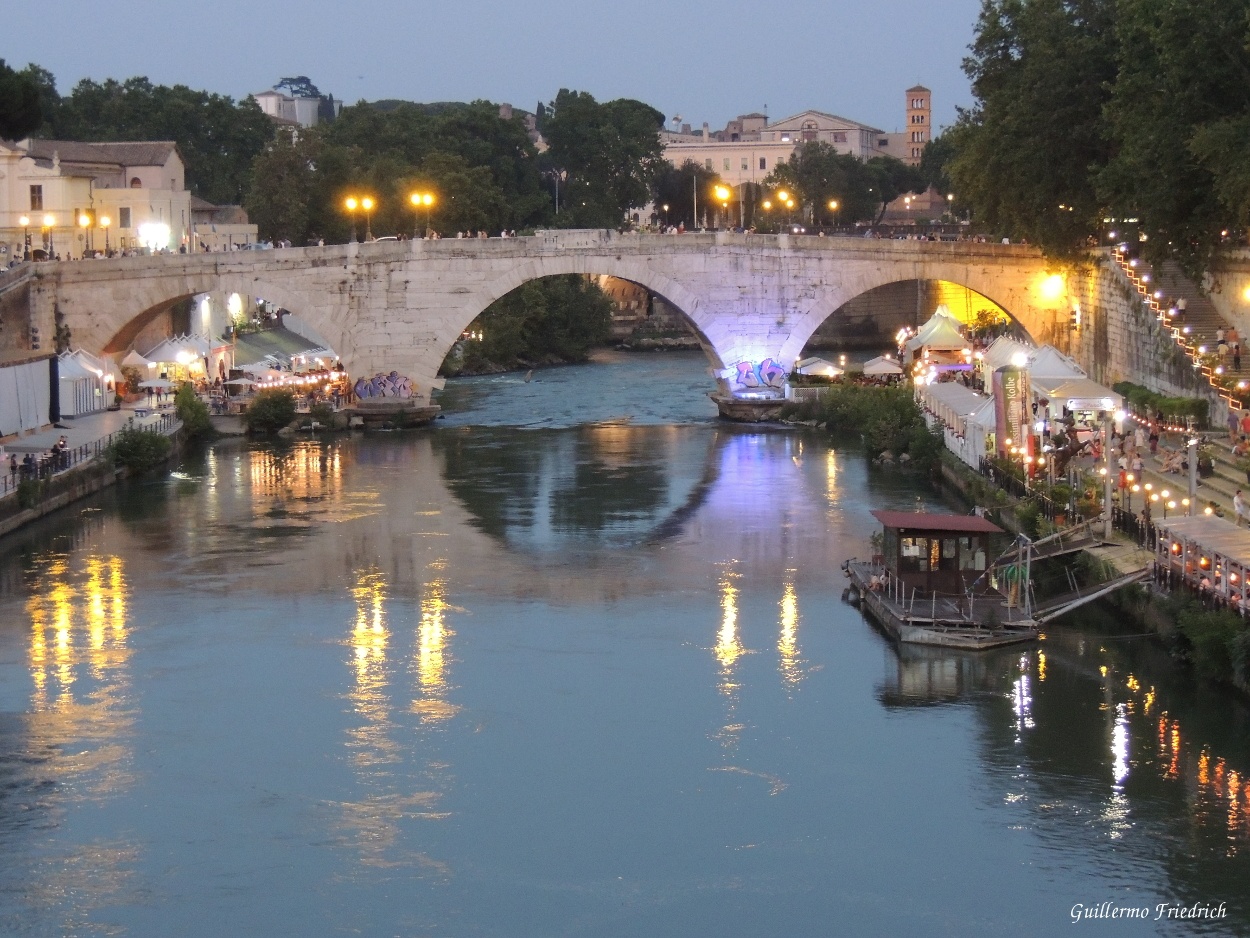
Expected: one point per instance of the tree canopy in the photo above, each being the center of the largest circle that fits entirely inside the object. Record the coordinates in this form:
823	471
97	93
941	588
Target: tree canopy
817	174
21	112
608	156
1088	109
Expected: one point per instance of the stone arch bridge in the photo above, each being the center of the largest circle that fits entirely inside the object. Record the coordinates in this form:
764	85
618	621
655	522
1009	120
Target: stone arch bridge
399	307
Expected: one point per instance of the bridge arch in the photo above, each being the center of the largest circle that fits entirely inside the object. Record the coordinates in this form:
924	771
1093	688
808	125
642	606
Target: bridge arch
116	334
1033	306
680	297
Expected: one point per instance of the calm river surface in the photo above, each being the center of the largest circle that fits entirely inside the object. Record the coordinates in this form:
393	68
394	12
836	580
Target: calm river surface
542	670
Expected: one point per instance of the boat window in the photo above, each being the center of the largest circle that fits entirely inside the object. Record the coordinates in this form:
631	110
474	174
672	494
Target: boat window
913	554
935	553
979	562
965	553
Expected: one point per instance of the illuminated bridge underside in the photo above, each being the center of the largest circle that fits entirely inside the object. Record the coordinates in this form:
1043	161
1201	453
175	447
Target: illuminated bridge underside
398	307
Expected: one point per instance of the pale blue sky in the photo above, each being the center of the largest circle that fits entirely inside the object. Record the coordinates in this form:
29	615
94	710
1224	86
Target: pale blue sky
701	59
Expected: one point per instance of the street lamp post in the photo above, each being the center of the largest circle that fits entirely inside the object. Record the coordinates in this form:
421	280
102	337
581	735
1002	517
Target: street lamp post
49	222
833	209
722	195
105	221
367	204
422	200
665	207
84	222
351	203
24	221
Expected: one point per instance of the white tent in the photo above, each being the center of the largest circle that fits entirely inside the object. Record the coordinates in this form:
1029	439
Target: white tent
1049	362
882	366
939	334
134	360
1082	394
81	389
817	366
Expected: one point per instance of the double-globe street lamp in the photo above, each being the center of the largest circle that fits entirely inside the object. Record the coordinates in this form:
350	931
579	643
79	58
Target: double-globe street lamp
353	205
419	201
84	222
24	221
105	221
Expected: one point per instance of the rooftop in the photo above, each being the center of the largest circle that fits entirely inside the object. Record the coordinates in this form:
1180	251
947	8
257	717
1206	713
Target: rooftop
922	521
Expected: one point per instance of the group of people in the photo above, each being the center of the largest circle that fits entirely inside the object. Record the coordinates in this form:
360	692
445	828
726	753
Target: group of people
32	466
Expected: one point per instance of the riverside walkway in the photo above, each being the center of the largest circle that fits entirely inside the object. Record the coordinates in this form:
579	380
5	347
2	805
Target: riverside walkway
86	437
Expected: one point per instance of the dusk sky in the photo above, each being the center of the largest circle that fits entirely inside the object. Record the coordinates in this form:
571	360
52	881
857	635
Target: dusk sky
705	61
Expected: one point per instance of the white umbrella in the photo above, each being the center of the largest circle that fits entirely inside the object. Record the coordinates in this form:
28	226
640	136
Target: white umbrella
242	382
159	384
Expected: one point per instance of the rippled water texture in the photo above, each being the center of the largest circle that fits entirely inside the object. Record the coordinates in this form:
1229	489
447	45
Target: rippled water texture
541	670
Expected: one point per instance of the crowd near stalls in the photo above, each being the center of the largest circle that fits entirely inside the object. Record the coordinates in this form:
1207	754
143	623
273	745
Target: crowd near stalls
1009	399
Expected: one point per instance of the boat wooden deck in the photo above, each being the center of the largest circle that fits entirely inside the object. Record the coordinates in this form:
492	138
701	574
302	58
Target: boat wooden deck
981	621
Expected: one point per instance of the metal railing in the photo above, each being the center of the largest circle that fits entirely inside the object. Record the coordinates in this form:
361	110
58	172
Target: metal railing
53	464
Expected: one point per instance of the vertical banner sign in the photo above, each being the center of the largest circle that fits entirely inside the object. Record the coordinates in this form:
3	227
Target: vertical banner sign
1012	409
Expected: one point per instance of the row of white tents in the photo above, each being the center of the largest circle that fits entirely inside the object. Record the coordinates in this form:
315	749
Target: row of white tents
1057	383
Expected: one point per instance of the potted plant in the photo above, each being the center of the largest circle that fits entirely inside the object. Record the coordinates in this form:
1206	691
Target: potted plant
1206	461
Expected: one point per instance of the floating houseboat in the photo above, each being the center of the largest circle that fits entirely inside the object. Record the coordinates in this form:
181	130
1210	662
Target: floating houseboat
934	582
931	583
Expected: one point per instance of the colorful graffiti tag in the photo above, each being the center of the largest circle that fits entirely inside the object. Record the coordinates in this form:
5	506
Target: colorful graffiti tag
767	374
380	385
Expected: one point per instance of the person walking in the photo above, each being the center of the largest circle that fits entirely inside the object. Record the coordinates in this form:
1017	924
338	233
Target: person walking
1234	425
1239	508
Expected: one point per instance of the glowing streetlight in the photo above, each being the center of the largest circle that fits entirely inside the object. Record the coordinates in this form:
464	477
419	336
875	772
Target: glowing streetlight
833	208
353	205
49	224
24	221
424	200
105	221
722	194
84	222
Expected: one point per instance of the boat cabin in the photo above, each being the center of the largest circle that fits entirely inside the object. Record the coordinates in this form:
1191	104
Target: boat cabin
936	553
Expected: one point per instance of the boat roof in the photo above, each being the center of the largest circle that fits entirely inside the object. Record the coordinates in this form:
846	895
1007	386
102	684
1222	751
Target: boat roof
922	521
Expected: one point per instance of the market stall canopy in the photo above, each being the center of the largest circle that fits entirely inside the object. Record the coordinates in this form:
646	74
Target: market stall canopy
69	368
1003	350
157	384
953	403
134	360
1049	362
940	333
984	416
817	366
1085	394
882	366
180	349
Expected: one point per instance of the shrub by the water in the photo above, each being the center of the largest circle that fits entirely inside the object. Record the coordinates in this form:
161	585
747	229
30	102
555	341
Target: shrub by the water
888	419
193	413
138	448
270	411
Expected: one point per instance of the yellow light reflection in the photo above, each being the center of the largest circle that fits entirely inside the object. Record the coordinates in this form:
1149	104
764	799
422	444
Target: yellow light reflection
788	636
370	742
80	701
432	637
831	475
728	648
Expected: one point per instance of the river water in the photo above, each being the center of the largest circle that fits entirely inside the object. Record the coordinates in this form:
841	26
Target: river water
571	662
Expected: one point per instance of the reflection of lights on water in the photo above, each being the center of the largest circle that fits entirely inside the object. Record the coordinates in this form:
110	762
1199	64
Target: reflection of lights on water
1022	704
1119	746
432	636
368	640
728	648
788	637
304	471
1041	666
831	474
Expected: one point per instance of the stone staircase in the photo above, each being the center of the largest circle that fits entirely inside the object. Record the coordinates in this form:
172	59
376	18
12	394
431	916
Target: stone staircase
1195	332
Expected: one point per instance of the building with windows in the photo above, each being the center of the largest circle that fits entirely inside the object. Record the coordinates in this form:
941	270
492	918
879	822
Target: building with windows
749	148
68	198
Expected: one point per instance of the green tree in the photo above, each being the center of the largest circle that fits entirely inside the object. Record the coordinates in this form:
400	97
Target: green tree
282	184
21	111
1180	114
891	178
608	156
1041	71
675	186
817	173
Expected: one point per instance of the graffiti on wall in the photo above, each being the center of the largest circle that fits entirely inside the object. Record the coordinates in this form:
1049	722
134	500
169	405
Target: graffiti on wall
767	374
381	385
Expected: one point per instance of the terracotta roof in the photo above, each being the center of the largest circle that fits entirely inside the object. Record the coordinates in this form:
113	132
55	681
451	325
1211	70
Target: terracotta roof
138	153
916	521
201	205
917	88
